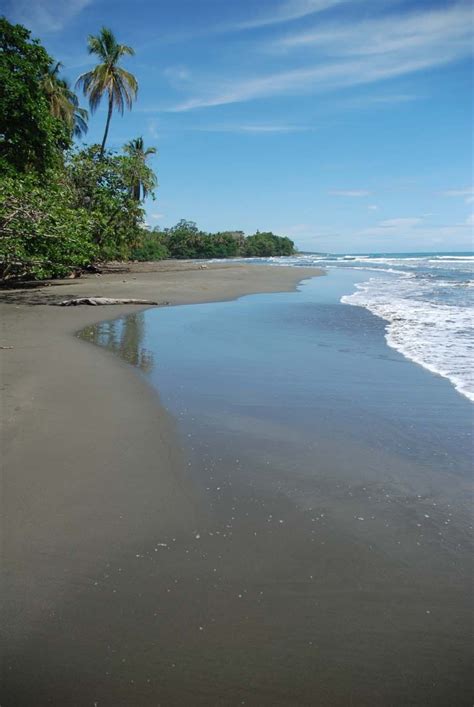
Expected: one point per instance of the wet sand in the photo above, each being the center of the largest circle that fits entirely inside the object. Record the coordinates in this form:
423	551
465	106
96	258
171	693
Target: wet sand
92	473
258	563
334	563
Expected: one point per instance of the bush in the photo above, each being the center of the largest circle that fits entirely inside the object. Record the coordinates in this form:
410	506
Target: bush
267	245
185	240
150	248
41	235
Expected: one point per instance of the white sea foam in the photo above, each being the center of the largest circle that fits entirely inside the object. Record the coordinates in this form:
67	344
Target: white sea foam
425	300
437	336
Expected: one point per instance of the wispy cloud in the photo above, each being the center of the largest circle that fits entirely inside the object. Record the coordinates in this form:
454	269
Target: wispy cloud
403	222
249	128
408	230
467	194
355	193
390	34
286	12
345	55
372	207
44	15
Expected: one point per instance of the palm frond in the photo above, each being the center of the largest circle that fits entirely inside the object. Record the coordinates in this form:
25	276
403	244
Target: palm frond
107	78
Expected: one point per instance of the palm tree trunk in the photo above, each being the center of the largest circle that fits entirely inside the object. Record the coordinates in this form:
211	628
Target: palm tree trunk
109	115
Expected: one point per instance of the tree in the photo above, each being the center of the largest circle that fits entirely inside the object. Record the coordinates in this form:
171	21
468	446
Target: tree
142	178
101	185
31	138
42	233
63	102
264	245
108	78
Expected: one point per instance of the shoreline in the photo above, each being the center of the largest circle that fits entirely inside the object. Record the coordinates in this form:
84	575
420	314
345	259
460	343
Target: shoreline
170	545
92	465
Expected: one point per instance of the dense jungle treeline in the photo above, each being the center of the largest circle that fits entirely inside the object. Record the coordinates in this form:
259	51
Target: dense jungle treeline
65	207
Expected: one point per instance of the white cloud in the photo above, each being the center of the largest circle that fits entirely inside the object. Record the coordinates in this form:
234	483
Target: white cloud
156	217
470	220
287	11
372	207
44	15
409	222
250	128
467	194
427	29
351	54
357	193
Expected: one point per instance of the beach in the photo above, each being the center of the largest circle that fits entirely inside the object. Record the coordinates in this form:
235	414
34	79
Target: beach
91	464
273	510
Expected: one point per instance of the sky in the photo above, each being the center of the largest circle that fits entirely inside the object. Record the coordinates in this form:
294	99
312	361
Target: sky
346	126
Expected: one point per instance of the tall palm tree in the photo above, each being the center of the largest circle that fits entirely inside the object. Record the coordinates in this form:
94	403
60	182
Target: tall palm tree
142	178
108	78
63	102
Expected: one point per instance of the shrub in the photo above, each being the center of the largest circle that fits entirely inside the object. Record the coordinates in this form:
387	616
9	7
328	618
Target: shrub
40	234
150	248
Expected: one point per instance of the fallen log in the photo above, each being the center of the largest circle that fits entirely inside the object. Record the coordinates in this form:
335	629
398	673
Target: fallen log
96	301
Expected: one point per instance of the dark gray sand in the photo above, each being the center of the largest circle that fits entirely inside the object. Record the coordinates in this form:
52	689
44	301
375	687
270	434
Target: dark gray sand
253	562
91	471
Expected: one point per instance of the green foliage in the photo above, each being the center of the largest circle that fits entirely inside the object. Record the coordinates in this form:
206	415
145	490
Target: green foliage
266	245
151	247
89	203
41	235
185	240
63	102
102	186
108	78
142	178
31	138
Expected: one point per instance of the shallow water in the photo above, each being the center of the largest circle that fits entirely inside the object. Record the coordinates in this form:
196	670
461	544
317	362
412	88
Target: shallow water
302	361
427	300
333	562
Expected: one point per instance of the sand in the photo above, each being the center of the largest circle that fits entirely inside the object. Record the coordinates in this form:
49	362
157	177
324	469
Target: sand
133	580
91	472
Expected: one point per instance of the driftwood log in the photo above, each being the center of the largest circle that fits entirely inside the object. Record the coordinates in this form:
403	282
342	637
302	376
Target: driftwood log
96	301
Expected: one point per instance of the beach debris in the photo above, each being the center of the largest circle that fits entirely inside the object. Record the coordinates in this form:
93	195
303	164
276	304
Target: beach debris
4	348
96	301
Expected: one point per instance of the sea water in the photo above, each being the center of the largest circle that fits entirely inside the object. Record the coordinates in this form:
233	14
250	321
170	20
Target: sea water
300	374
427	300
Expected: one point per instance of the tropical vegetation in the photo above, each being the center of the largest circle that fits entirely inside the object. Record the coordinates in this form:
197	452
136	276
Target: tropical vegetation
185	240
63	206
108	78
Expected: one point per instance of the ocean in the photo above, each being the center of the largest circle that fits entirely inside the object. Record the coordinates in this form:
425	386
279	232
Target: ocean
427	300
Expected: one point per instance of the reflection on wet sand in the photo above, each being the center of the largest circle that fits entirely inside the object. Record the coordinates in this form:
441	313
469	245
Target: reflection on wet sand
124	337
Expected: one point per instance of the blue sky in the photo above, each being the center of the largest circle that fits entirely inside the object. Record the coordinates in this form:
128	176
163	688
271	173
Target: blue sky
344	125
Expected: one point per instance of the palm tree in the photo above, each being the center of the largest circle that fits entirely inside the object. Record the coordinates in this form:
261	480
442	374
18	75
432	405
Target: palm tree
108	78
142	178
63	102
